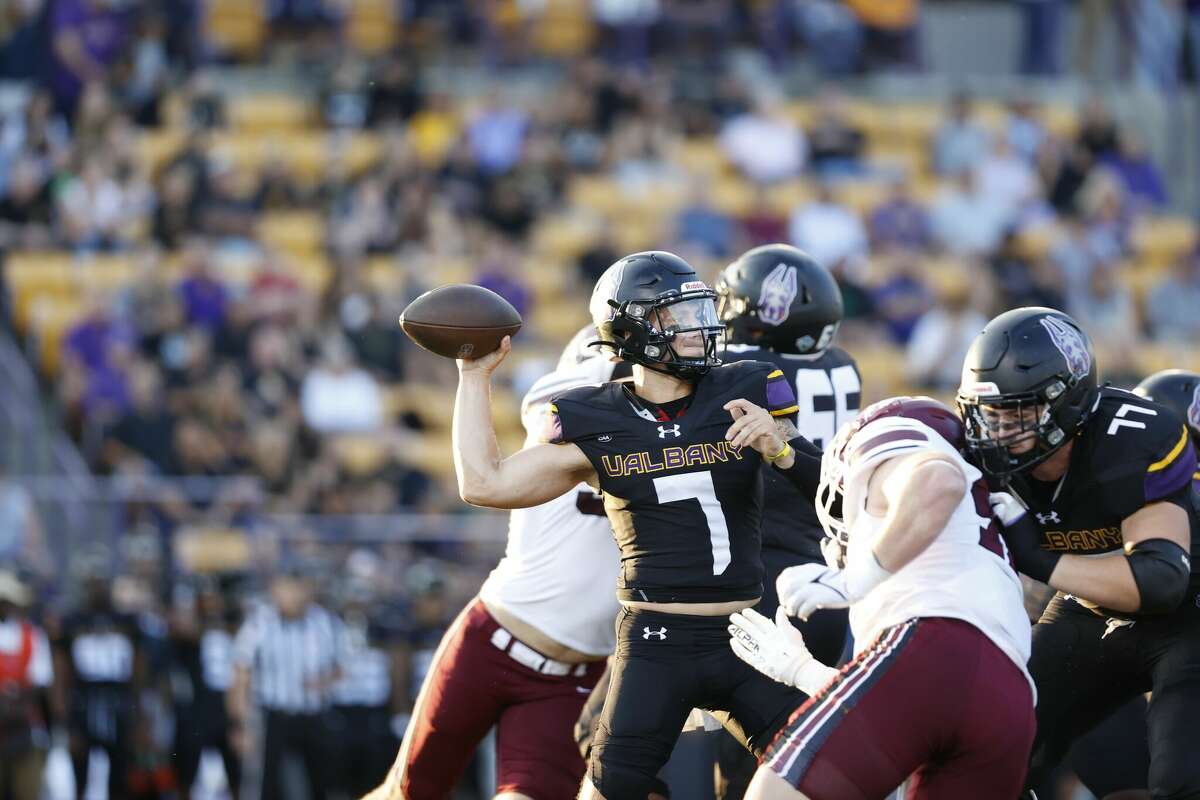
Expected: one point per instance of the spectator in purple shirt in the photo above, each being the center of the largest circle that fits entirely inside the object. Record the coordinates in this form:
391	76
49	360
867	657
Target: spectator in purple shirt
205	300
87	37
900	221
94	339
1143	182
497	136
502	274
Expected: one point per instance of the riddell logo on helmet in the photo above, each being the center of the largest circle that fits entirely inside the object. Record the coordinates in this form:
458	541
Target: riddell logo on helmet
981	389
690	286
1194	409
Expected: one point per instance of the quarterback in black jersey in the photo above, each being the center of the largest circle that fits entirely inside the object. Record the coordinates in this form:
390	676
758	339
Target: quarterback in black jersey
1098	505
677	454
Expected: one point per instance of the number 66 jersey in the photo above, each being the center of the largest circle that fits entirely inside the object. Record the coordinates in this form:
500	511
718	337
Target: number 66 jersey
684	503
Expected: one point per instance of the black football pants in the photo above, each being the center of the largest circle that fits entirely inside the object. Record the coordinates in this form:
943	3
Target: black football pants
666	665
1086	668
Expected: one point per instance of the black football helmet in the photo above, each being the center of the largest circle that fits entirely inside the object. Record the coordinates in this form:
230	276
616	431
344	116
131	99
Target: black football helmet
779	297
1179	390
643	303
1028	384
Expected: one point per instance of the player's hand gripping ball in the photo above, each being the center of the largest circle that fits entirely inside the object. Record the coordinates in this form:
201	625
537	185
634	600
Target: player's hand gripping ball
460	320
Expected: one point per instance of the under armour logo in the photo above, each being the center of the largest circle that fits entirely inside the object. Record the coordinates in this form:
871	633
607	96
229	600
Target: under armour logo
663	431
604	437
661	633
1046	518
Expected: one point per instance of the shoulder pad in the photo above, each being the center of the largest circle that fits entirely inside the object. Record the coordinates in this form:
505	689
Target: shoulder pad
583	411
1142	452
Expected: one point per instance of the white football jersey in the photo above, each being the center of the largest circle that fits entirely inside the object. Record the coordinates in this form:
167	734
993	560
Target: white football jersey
963	574
559	571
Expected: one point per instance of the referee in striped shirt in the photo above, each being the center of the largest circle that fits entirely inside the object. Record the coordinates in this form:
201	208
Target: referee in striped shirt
287	654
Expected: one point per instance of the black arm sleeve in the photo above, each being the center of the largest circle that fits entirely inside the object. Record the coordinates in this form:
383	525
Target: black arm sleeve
805	471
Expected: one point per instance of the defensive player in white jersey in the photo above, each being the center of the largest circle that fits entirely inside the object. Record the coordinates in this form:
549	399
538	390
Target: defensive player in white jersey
938	689
526	653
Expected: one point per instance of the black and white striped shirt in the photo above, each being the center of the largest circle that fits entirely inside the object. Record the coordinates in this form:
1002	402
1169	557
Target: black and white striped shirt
289	659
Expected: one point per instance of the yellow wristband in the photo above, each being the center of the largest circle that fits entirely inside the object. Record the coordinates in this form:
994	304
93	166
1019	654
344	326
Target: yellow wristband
787	448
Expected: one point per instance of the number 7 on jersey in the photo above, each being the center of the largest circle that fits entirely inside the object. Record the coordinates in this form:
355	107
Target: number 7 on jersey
699	486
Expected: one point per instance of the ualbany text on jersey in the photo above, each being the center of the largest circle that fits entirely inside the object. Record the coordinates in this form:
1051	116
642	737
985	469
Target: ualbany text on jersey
618	466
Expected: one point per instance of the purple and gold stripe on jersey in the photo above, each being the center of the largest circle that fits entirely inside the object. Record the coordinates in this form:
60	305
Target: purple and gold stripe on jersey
552	430
781	400
1173	472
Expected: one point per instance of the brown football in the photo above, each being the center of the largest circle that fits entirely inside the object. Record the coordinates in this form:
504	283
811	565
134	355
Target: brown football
460	320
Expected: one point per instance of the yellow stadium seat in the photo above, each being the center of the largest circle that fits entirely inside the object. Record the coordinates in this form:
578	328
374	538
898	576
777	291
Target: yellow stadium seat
51	318
156	147
264	112
861	196
371	26
33	275
564	28
105	273
732	195
236	27
384	275
212	550
1162	240
883	366
597	193
783	198
559	322
563	237
312	271
701	155
297	232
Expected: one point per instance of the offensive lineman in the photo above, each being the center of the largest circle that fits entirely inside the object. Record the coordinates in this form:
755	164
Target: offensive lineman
682	490
782	307
1101	510
938	689
525	653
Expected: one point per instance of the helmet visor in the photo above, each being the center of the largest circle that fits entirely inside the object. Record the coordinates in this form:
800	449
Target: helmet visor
694	314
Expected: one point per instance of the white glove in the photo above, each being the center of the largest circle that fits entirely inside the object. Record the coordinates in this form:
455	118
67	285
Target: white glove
1006	508
805	588
777	650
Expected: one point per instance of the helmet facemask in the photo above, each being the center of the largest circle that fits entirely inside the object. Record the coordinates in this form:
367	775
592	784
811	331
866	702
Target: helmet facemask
1008	434
676	333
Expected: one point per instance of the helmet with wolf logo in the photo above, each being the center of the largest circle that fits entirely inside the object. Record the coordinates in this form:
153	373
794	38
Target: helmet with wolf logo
779	297
1028	384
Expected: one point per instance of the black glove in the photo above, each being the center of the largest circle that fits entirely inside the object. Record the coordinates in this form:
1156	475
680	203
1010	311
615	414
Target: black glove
1023	537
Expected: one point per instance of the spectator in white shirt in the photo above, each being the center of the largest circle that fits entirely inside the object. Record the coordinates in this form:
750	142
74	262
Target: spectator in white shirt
966	221
831	233
1005	178
339	397
960	142
1171	306
765	144
941	338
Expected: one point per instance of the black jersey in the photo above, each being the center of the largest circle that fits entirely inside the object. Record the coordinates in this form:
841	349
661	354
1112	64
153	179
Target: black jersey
1130	453
684	504
100	647
828	395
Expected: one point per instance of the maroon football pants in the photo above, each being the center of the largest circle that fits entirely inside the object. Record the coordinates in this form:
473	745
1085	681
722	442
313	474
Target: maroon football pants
933	699
474	682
